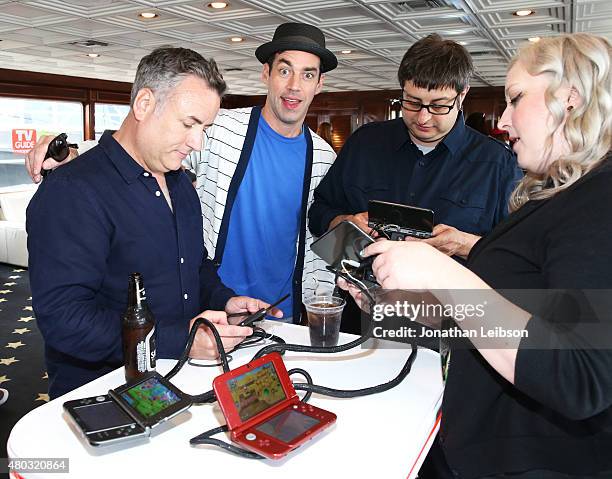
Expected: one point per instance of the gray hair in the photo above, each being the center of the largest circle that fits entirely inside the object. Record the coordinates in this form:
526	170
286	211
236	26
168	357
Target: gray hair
165	67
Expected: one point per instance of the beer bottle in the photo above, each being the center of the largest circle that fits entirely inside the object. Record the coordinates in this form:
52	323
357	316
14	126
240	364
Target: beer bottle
138	331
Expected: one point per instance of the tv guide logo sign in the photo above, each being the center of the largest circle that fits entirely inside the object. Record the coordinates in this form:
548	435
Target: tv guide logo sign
23	140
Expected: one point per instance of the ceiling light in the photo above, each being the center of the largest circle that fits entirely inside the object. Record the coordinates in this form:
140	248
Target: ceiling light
93	55
218	5
237	39
523	13
346	52
148	15
534	39
462	43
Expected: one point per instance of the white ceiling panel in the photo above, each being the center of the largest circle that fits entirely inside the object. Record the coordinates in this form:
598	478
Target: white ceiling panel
37	35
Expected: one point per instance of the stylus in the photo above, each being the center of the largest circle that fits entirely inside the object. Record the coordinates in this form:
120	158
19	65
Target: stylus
259	315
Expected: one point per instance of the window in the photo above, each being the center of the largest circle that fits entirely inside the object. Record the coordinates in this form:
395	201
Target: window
23	121
109	117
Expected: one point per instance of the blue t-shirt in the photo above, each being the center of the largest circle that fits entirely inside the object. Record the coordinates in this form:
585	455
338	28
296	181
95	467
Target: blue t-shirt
260	250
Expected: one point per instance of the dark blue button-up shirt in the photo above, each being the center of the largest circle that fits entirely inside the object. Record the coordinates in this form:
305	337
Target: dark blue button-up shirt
92	223
466	179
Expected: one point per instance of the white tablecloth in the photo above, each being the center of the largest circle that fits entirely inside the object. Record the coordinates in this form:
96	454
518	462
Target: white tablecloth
384	435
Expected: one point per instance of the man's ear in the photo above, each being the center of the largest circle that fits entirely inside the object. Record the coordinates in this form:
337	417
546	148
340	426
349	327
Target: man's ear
144	103
265	73
462	96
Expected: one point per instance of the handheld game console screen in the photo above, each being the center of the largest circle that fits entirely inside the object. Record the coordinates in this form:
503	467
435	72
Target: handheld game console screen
256	390
287	425
99	416
150	397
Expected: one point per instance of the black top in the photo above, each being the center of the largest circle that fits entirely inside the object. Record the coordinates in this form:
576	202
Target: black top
466	179
558	416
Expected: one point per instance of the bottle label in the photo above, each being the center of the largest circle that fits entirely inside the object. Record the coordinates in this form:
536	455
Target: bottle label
151	349
145	353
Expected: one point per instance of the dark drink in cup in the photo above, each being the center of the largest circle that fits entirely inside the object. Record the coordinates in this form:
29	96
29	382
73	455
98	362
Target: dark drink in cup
324	317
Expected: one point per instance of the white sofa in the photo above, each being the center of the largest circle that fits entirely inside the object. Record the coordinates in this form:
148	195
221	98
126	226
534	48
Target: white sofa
13	239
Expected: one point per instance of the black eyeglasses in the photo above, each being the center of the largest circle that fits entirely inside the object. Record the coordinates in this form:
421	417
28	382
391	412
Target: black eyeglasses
432	108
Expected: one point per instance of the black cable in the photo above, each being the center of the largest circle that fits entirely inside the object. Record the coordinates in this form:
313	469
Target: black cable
309	387
205	438
308	377
185	354
282	347
205	398
349	279
350	393
191	362
340	393
209	396
260	335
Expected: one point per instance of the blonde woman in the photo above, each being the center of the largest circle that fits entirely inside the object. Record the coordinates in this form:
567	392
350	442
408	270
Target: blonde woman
540	405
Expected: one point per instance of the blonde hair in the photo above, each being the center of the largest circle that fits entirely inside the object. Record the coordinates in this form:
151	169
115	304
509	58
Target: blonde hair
581	61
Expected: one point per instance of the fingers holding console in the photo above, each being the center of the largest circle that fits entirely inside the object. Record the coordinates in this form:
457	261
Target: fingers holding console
407	264
355	293
204	345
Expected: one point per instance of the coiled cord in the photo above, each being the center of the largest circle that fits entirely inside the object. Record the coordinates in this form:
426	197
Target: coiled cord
309	387
206	437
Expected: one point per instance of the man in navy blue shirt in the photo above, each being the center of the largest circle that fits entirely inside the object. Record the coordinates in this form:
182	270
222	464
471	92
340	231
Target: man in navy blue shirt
428	158
127	206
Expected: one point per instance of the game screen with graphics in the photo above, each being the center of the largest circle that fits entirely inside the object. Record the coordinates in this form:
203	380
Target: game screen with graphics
150	397
256	390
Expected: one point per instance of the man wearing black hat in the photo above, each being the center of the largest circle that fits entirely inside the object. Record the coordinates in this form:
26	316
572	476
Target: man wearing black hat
257	172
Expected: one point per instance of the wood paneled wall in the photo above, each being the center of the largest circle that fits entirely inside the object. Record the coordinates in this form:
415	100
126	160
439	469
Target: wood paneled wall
488	100
346	111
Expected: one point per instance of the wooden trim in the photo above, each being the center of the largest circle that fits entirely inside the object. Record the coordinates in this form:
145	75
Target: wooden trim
112	97
361	106
48	79
89	126
61	87
42	92
46	86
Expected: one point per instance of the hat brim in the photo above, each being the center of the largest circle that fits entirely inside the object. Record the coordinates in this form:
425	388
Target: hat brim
328	59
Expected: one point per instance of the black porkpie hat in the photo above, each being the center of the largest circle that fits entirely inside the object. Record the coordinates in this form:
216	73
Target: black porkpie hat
302	37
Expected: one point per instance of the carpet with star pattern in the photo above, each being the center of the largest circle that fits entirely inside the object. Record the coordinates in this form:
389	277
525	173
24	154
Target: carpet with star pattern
22	365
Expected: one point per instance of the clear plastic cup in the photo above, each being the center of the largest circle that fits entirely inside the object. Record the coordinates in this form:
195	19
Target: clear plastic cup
324	317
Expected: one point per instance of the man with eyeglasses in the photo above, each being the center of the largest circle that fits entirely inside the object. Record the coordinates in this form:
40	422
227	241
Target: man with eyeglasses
428	158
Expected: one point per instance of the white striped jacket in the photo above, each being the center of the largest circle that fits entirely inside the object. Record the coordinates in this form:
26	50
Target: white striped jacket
216	166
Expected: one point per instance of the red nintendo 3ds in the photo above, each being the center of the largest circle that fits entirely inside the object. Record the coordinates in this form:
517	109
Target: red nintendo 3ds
263	412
